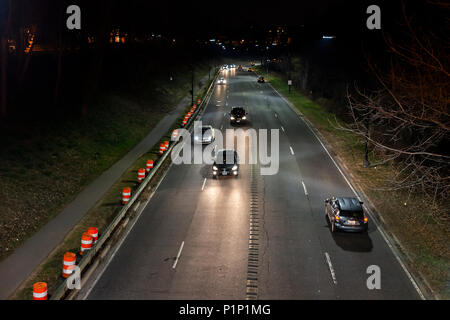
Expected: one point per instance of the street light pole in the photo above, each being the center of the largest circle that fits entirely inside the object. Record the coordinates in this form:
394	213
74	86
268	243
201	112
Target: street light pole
192	86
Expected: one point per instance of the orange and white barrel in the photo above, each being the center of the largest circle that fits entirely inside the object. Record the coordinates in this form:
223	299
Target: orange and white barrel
175	135
141	175
93	231
40	291
162	148
126	195
86	242
68	264
199	101
184	122
149	165
166	145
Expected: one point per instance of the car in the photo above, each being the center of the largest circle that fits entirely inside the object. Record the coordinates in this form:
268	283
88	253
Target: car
250	69
240	68
225	67
205	136
238	115
232	66
221	81
346	214
261	80
226	163
252	64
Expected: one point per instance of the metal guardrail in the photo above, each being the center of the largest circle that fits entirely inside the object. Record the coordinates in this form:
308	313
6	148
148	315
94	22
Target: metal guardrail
87	259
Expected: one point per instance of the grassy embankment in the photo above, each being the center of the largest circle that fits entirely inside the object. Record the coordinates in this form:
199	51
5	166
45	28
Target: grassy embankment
424	241
50	168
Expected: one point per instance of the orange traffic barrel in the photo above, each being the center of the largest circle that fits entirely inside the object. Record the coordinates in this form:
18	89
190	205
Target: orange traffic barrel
141	175
162	148
199	101
126	195
86	242
149	165
174	134
166	145
93	231
184	122
40	291
68	264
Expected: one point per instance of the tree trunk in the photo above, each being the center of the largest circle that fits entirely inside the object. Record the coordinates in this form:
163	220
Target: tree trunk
59	53
95	68
4	63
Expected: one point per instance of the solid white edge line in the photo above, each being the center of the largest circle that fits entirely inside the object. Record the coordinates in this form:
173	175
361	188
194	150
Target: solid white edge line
178	256
330	266
408	274
204	183
292	151
119	245
304	188
282	128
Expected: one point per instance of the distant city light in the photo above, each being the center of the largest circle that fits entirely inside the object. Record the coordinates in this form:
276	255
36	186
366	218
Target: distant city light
328	37
212	40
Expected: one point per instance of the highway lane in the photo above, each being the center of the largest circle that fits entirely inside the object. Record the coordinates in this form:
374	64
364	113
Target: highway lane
213	224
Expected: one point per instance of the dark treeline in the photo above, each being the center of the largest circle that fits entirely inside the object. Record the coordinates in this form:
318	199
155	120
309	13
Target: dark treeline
62	72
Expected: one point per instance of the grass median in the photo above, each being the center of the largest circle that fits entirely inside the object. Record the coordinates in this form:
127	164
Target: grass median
423	240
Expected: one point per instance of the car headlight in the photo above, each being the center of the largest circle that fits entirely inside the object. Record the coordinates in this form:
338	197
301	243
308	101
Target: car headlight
232	118
244	118
235	168
215	168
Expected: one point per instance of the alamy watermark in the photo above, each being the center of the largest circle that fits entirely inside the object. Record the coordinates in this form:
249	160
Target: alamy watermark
252	146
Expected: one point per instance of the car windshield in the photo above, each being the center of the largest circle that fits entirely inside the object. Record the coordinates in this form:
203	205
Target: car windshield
205	129
225	157
352	214
238	111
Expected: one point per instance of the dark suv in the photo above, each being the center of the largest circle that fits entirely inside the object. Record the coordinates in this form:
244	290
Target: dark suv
226	163
346	214
238	115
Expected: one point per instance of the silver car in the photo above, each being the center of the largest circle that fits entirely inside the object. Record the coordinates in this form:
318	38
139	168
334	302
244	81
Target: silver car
205	135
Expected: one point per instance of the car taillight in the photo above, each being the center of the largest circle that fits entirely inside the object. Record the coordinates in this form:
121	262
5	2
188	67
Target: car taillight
366	219
337	218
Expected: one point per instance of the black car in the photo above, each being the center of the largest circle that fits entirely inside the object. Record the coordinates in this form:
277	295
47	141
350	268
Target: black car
346	214
226	163
238	115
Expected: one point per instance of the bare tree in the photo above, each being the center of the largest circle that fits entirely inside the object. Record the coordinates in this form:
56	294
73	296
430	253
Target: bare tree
409	115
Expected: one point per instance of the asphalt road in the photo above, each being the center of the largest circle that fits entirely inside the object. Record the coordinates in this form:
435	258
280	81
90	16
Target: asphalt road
270	230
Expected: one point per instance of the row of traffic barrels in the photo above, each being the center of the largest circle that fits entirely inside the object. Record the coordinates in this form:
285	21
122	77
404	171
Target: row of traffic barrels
88	239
